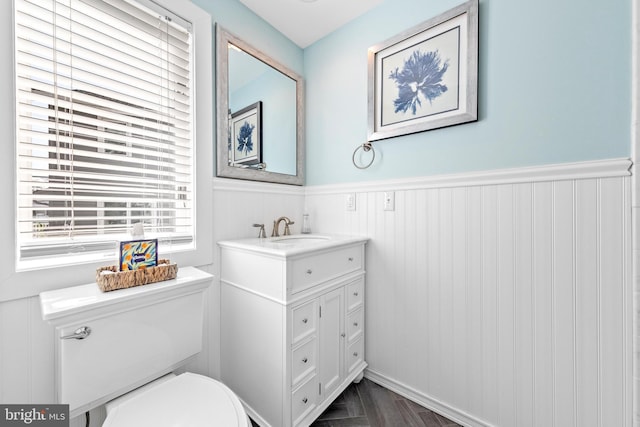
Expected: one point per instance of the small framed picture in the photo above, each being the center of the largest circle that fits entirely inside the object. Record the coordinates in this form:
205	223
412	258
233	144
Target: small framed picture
426	77
246	135
138	254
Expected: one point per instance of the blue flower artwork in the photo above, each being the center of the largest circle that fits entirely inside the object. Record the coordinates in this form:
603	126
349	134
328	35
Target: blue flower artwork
421	76
246	135
420	81
244	139
426	77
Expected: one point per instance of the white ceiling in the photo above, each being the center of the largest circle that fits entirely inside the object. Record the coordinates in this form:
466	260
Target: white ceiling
306	21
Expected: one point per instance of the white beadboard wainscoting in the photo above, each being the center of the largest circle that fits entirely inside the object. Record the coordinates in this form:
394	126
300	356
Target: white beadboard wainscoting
27	349
27	353
500	299
239	204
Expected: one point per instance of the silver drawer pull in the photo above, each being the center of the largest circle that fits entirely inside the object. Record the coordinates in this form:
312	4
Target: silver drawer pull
355	354
309	271
305	400
305	360
78	334
305	320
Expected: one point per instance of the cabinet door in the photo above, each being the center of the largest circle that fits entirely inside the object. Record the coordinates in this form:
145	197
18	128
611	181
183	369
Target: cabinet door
331	355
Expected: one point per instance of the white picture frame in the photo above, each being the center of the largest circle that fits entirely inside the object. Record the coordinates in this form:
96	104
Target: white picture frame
426	77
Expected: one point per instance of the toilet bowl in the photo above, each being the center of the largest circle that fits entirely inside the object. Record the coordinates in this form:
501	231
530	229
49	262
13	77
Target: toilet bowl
119	349
188	400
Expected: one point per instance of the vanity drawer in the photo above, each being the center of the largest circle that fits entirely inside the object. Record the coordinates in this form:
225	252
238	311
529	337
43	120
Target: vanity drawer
304	321
303	400
355	321
355	294
303	361
355	355
314	269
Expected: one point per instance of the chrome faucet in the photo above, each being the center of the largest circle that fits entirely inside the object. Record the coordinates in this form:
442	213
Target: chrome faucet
276	226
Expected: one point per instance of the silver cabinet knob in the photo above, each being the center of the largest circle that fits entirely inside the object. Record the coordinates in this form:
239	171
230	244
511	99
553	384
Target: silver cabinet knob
309	271
305	360
350	259
305	320
343	335
355	294
305	400
355	354
78	334
355	324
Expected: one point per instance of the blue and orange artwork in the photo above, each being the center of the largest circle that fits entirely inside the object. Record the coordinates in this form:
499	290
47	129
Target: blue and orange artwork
138	254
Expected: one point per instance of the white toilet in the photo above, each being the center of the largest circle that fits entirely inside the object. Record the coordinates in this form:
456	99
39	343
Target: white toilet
120	348
184	400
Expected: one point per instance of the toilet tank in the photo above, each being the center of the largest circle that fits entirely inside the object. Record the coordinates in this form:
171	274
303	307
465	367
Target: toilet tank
136	335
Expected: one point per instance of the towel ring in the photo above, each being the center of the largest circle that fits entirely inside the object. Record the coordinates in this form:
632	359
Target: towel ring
366	147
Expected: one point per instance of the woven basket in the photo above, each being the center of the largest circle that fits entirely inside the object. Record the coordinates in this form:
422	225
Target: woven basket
128	279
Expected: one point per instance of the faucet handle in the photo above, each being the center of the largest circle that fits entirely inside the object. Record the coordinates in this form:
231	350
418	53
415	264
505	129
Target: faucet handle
287	232
261	232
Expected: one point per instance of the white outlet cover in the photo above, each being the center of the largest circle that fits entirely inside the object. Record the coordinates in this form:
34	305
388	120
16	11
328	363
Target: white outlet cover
389	201
350	201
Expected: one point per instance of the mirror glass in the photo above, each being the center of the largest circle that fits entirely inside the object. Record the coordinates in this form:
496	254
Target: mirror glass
260	114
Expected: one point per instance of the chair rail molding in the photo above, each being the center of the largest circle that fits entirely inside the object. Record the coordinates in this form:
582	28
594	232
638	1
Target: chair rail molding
563	171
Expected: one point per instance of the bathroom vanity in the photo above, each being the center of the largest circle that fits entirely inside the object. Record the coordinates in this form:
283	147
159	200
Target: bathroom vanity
292	323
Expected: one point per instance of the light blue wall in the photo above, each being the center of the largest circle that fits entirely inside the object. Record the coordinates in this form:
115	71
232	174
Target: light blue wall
278	96
554	87
242	22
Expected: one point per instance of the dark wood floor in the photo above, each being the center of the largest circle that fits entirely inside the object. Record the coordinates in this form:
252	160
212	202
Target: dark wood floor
368	404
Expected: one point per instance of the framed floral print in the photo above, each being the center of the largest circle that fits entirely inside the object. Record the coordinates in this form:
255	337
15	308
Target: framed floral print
426	77
245	145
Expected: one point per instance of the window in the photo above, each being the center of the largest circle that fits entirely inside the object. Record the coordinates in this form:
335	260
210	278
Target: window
104	133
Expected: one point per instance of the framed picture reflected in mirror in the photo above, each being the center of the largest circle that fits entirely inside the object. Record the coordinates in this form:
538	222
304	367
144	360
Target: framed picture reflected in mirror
245	136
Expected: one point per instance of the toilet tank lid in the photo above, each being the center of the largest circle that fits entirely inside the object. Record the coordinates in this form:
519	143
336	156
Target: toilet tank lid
185	400
74	302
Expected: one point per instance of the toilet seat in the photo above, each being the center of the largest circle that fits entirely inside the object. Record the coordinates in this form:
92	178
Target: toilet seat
188	400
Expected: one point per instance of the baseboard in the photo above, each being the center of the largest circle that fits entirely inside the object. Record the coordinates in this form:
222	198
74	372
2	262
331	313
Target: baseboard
428	402
253	414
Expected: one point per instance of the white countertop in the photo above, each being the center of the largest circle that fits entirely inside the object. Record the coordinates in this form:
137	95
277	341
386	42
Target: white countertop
296	244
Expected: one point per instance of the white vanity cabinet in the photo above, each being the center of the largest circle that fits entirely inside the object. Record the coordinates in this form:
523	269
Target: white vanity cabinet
292	324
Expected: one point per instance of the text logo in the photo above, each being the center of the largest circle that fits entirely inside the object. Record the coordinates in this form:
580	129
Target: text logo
34	415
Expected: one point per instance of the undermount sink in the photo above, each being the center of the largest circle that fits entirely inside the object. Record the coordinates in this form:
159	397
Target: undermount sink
300	238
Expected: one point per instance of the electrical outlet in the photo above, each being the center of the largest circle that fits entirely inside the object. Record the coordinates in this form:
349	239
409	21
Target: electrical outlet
389	201
350	201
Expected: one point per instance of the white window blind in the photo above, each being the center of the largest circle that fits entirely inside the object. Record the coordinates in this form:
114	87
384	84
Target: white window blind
104	125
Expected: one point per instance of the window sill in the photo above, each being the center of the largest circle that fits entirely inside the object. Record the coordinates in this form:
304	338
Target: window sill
31	280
